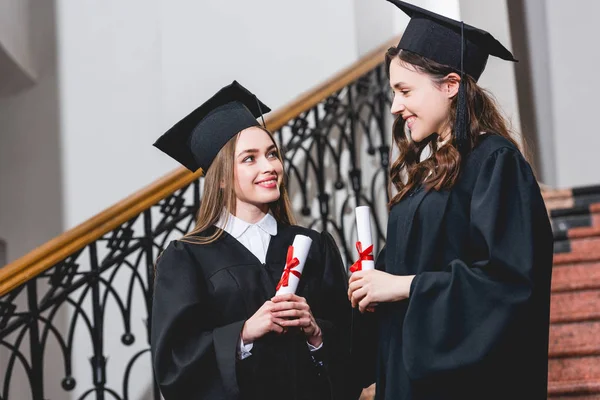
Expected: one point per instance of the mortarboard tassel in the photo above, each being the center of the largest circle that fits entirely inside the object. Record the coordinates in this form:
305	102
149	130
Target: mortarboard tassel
462	124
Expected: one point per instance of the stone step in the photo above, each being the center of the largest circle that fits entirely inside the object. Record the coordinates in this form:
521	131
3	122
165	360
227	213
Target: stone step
575	391
576	339
577	240
571	202
583	305
569	198
574	376
577	276
593	255
550	194
568	218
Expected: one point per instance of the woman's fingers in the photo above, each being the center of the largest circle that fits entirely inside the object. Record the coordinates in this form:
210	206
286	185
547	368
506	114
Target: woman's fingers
288	297
291	313
357	296
364	304
276	326
289	305
300	322
354	286
356	275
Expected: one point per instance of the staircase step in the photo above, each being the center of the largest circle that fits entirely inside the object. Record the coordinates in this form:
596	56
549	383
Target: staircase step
576	257
571	197
559	203
569	277
574	339
574	390
575	306
576	397
566	218
577	240
584	232
550	193
556	194
574	376
581	397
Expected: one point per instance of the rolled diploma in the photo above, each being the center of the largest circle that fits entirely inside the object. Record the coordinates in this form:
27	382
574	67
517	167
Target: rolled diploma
301	246
363	228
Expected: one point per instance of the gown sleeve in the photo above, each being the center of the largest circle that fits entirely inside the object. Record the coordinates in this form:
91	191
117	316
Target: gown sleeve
191	358
456	316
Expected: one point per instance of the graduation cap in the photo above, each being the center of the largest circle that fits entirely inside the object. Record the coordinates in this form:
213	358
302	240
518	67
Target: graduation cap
196	139
453	43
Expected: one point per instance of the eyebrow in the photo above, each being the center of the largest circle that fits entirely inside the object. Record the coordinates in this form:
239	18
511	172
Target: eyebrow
398	85
254	151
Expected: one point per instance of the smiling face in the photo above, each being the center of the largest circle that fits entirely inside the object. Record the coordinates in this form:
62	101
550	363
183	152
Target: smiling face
258	171
423	103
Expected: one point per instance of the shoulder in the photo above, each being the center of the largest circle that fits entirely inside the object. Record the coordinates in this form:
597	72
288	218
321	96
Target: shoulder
491	150
491	144
176	250
187	248
493	160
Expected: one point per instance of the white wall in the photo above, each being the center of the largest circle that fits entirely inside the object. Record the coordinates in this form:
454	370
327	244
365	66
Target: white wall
375	24
574	58
129	70
17	62
499	75
31	208
30	177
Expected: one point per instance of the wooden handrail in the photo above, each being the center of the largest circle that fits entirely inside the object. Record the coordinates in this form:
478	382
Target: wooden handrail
51	252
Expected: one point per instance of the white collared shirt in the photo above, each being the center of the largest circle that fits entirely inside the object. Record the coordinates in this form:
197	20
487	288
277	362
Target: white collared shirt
256	238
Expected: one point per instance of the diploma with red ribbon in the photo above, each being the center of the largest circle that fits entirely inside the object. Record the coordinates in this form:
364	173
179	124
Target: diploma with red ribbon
364	246
294	265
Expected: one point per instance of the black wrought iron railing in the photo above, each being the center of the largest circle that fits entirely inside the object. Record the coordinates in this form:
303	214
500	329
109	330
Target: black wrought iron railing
75	314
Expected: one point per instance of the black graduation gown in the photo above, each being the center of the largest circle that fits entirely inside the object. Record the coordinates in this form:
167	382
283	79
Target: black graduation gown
476	323
205	293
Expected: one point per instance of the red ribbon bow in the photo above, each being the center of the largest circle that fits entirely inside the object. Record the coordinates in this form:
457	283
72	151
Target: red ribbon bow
363	255
290	262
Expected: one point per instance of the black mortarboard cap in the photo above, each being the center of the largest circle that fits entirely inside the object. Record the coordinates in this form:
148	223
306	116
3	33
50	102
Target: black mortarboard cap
438	38
449	42
196	139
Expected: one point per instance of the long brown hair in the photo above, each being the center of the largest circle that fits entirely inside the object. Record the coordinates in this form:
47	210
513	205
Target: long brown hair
216	198
442	169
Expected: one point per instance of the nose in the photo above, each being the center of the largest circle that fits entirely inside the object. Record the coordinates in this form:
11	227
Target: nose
397	105
266	165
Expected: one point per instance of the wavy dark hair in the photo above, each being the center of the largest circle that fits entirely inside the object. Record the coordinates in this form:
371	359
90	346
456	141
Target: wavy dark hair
441	170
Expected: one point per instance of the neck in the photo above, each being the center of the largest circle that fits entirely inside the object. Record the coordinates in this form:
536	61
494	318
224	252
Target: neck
250	213
444	135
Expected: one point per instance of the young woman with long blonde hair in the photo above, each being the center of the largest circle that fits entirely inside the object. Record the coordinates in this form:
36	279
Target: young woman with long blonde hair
218	330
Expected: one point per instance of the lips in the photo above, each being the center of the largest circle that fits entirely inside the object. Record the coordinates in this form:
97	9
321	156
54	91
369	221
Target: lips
410	121
268	183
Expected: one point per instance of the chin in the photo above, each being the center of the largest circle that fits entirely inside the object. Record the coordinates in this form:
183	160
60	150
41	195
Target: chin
266	199
418	138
